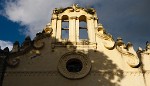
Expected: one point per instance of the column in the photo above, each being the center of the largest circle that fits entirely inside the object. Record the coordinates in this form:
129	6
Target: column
72	29
91	30
77	29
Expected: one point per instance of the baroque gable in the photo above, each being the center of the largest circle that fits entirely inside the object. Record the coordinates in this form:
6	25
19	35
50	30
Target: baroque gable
50	59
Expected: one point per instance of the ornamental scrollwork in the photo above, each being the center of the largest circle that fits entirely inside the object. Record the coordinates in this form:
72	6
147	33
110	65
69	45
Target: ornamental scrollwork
38	44
103	34
107	38
109	45
127	51
48	29
13	62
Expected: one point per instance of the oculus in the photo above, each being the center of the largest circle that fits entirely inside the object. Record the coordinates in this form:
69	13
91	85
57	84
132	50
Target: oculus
74	65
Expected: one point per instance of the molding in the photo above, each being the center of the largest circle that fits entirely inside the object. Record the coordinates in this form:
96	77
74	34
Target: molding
32	73
56	73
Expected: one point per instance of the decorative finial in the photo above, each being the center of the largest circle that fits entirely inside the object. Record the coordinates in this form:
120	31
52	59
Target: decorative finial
74	6
48	28
16	47
139	49
147	45
119	39
120	42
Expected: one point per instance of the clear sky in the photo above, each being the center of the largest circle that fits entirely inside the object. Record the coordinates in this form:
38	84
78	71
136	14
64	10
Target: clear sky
129	19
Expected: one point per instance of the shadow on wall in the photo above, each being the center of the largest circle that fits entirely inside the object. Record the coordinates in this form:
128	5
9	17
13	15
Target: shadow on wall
105	71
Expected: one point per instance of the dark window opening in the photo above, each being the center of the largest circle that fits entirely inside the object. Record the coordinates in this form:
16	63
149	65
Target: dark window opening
83	31
74	65
65	27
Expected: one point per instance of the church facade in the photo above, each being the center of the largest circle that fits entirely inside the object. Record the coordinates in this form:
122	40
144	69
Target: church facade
74	50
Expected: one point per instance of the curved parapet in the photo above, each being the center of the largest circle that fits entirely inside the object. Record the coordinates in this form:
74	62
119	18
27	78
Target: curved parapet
28	45
126	51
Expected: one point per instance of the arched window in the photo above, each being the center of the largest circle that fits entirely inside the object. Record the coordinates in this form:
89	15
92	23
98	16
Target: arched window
83	34
65	27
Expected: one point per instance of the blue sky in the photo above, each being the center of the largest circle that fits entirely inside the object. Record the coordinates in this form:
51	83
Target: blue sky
9	30
129	19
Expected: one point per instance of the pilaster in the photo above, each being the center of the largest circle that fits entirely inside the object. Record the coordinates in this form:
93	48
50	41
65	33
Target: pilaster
58	34
54	25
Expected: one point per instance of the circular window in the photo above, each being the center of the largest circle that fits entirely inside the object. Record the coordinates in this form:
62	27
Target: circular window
74	65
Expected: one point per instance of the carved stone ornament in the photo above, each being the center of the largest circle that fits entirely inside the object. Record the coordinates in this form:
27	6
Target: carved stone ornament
74	65
48	29
102	33
16	47
108	40
75	6
13	62
131	59
129	53
38	44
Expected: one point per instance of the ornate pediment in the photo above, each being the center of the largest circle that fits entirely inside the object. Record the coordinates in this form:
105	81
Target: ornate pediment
73	8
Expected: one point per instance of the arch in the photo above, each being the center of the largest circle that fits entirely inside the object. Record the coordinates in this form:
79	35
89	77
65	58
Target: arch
83	31
65	27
